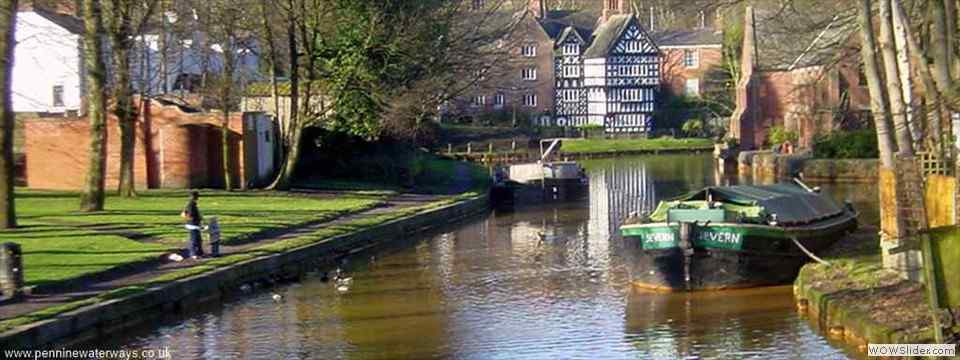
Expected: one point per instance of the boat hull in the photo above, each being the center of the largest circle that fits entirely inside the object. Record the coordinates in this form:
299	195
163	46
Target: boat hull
724	256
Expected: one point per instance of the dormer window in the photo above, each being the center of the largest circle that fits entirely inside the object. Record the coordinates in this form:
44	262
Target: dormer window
528	50
571	49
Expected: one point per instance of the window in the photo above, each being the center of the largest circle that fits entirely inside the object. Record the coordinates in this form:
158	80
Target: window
530	73
58	96
477	4
499	100
571	49
529	50
693	87
479	101
530	100
571	71
691	58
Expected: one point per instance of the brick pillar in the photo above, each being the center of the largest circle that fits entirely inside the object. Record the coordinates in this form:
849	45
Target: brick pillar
899	214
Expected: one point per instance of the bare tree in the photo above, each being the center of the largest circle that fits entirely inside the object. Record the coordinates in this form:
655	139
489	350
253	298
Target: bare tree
898	107
92	198
223	22
871	69
122	29
8	20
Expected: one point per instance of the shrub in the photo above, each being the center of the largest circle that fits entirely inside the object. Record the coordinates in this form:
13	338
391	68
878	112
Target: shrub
859	144
693	127
779	135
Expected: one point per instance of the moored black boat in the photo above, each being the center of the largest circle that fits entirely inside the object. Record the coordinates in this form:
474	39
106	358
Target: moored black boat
732	237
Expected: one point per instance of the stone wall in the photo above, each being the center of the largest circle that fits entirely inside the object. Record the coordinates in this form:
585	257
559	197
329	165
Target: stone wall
769	166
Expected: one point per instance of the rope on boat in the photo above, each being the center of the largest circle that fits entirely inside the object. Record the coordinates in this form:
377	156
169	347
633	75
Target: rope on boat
805	251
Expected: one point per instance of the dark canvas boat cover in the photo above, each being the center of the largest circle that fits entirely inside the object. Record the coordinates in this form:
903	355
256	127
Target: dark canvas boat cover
791	203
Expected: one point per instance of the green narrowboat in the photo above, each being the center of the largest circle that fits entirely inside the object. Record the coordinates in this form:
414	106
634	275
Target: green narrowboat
732	236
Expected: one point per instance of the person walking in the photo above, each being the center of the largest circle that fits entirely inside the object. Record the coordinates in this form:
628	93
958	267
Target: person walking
191	213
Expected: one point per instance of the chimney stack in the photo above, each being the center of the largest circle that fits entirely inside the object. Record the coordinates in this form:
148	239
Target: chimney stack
611	8
538	8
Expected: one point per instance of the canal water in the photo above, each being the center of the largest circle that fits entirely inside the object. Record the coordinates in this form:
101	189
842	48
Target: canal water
539	282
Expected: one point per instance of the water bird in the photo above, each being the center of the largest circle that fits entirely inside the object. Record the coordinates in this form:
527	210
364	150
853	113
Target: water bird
277	297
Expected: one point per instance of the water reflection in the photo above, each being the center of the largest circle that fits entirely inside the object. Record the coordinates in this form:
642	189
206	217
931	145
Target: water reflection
542	282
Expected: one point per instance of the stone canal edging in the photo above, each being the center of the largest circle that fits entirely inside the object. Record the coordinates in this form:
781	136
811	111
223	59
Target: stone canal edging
101	319
770	165
841	321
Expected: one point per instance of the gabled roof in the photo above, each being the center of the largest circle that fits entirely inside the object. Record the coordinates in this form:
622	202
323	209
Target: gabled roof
699	37
606	36
71	23
557	21
569	31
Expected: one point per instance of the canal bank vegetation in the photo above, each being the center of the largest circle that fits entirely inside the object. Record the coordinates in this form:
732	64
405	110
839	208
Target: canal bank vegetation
597	146
345	162
60	243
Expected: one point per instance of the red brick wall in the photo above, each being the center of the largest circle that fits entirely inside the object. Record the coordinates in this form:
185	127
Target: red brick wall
172	150
508	74
804	100
674	74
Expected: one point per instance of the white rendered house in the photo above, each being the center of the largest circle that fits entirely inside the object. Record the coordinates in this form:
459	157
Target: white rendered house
48	69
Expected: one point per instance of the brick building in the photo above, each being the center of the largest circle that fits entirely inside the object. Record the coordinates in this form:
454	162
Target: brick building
594	64
809	84
176	147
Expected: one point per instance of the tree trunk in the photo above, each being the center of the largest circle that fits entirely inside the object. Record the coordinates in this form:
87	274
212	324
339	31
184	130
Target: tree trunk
898	107
929	84
121	33
939	44
292	154
878	100
906	81
273	59
226	97
93	196
8	19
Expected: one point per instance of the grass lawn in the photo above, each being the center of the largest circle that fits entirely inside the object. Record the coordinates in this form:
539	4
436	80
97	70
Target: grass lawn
59	244
608	145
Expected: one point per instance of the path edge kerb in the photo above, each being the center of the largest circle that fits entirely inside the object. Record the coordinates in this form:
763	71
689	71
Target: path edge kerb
96	320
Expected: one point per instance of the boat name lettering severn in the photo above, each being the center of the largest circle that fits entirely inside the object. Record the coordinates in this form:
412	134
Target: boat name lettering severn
659	238
721	237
